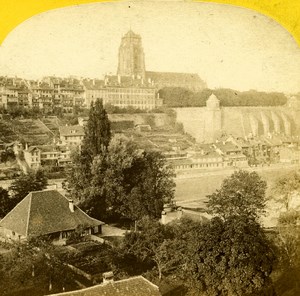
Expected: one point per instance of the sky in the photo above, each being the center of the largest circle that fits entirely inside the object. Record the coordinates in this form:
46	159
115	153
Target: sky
227	46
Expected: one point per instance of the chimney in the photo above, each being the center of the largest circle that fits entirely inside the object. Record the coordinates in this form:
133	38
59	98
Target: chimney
71	205
26	146
119	79
108	277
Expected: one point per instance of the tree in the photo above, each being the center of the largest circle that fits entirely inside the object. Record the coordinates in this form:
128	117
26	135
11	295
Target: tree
243	193
129	182
36	267
289	238
95	142
24	184
285	187
288	243
97	132
231	254
5	202
149	245
231	257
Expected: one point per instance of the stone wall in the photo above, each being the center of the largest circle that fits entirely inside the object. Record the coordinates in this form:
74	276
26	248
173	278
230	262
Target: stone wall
206	125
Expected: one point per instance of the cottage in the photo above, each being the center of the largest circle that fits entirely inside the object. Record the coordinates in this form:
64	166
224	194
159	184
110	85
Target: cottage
46	213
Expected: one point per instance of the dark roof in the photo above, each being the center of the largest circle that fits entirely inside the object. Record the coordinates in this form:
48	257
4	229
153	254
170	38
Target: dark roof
45	212
135	286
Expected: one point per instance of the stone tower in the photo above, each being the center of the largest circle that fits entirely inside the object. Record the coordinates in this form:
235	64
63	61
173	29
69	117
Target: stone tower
131	56
213	124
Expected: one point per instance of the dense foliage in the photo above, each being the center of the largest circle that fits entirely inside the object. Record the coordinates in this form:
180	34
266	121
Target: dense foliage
115	179
35	268
285	187
241	194
97	131
5	202
227	255
181	97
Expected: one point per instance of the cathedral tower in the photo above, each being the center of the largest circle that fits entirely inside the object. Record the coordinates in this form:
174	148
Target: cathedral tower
131	56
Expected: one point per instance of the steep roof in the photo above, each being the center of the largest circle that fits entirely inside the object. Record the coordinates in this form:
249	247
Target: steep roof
45	212
135	286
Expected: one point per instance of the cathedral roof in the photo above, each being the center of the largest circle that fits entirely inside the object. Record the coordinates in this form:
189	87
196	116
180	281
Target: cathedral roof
175	79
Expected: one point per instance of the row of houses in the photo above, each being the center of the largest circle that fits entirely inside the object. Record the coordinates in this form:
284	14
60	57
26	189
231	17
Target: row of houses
238	152
52	93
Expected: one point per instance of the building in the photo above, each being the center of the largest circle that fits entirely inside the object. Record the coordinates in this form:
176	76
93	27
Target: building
32	157
47	155
132	64
289	155
122	92
71	135
131	56
46	213
135	286
232	154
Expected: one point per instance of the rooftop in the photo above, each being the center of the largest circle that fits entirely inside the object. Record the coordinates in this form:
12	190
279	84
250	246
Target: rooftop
45	212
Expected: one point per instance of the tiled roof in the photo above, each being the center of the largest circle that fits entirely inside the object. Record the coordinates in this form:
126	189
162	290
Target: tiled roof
72	130
228	146
135	286
45	212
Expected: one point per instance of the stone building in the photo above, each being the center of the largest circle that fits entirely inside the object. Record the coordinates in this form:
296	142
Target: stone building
131	56
123	92
206	124
132	63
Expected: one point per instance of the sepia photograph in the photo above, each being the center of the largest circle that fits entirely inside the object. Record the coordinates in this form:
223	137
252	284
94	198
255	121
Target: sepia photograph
150	148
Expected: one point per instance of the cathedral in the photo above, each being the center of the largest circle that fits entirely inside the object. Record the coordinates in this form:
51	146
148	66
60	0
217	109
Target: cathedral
132	64
131	56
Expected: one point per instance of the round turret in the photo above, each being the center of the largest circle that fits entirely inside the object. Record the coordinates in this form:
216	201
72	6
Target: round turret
213	103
